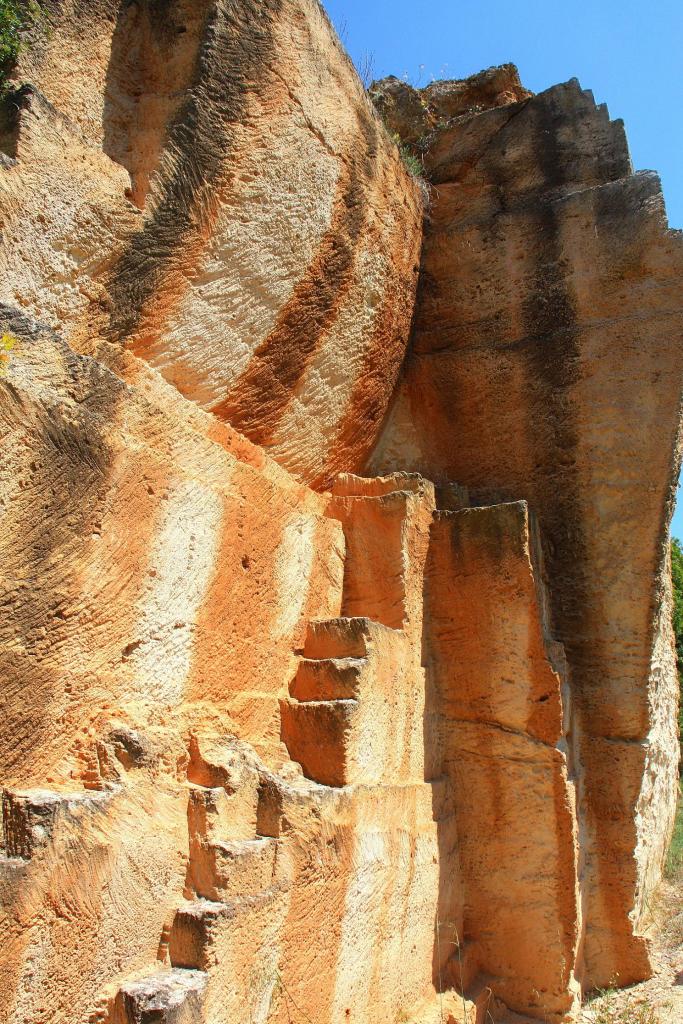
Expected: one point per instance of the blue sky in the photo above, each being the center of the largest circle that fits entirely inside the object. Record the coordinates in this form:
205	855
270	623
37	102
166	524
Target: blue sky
630	53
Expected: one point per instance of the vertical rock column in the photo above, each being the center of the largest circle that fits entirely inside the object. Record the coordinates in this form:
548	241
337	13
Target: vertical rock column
499	680
357	709
546	365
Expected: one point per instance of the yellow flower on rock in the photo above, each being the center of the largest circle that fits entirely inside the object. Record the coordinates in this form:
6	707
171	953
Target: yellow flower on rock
7	343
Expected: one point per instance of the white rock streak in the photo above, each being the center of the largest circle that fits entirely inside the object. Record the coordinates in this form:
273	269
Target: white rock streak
181	567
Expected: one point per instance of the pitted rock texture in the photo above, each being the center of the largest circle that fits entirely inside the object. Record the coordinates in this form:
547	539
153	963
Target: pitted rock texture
278	741
546	364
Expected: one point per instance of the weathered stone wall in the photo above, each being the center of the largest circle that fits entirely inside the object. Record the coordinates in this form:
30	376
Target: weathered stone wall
147	551
209	189
546	364
169	864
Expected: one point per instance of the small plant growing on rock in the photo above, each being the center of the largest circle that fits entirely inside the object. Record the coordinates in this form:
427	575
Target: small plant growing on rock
674	861
411	162
7	343
366	69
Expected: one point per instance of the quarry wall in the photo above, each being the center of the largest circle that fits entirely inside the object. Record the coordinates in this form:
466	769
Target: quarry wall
338	681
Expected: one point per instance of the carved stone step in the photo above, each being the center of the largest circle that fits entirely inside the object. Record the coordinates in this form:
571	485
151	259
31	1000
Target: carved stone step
461	968
168	997
349	485
229	870
338	638
215	815
237	944
28	820
29	817
195	927
205	931
318	735
328	679
355	716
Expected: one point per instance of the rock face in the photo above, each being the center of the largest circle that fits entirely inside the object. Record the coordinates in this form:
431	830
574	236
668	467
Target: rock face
280	741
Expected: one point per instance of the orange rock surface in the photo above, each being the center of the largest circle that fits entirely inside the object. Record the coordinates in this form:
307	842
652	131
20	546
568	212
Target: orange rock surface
280	741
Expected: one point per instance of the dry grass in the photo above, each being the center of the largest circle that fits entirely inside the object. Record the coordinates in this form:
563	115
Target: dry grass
671	898
611	1008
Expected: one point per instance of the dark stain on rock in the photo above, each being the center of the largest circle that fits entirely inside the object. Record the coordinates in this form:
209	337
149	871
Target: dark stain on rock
549	316
367	406
236	51
259	398
552	367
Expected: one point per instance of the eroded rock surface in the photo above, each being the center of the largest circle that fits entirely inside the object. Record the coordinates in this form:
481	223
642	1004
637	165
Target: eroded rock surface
279	741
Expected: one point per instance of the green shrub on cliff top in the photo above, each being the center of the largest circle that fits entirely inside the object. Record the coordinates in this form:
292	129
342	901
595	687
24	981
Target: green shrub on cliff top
411	162
16	16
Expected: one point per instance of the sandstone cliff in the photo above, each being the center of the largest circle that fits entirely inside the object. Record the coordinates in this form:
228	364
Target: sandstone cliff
280	741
